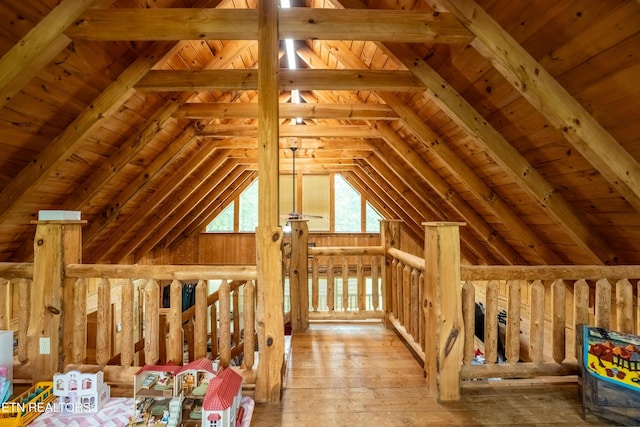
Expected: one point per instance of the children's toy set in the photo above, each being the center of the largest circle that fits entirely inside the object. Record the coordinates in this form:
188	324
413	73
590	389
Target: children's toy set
196	394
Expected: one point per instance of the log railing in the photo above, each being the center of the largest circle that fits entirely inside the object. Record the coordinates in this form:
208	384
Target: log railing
345	282
407	284
16	279
224	321
556	299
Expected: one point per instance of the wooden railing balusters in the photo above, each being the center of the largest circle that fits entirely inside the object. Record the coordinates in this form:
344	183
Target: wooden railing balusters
103	332
24	307
603	303
225	320
345	283
624	306
126	339
151	322
200	335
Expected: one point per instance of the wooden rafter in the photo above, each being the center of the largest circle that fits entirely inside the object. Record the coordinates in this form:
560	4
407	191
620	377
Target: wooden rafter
486	233
594	247
38	48
290	111
346	131
240	24
218	198
306	79
549	97
58	151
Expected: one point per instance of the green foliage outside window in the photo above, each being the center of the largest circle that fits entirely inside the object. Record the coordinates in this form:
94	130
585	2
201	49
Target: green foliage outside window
223	223
347	206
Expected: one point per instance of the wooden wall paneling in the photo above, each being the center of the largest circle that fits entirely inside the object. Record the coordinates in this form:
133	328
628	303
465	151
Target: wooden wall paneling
585	133
211	206
460	111
452	199
182	203
40	46
159	169
70	139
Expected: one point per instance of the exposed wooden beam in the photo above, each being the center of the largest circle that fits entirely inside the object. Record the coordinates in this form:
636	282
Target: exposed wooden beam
594	247
302	131
219	192
182	209
306	79
41	44
60	149
487	234
269	315
195	110
295	23
303	144
549	97
533	244
158	166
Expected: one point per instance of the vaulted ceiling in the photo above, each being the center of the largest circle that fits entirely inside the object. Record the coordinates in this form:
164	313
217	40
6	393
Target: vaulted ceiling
521	119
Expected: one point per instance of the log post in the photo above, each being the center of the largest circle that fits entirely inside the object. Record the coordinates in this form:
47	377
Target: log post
299	276
443	301
50	333
390	238
269	314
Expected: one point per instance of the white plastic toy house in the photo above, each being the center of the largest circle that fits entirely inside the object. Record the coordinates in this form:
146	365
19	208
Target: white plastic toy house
81	393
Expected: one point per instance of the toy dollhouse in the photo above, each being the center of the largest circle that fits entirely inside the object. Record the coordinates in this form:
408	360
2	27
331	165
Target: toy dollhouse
80	392
156	396
195	394
221	405
194	378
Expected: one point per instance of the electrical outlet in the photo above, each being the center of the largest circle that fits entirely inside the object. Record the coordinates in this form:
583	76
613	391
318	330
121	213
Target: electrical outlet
45	345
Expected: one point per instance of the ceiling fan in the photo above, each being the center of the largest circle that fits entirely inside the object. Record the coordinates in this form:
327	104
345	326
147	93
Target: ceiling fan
293	215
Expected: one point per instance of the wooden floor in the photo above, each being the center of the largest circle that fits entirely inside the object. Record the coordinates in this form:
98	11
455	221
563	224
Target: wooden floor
363	375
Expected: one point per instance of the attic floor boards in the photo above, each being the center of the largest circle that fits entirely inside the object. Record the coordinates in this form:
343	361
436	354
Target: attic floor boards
361	374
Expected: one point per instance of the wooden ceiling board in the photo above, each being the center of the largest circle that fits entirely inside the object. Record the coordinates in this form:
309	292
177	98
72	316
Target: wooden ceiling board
555	33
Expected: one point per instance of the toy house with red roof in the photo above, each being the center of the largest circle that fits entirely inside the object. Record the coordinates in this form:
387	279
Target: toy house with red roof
221	405
193	378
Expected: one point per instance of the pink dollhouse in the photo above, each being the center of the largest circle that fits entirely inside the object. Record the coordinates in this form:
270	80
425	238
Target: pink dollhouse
79	392
221	405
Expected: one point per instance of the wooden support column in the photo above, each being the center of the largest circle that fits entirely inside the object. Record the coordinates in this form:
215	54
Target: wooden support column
443	303
269	313
56	244
390	238
299	276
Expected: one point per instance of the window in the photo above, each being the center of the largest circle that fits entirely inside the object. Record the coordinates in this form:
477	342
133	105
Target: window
372	219
347	206
248	218
223	222
315	194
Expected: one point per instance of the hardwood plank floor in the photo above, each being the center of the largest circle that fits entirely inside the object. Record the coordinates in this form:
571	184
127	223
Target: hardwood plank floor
362	374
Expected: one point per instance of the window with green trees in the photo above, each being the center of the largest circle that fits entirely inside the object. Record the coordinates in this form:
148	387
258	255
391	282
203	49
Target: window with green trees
348	213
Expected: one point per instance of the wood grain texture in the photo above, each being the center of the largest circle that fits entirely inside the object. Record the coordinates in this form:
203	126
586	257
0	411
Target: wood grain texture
361	374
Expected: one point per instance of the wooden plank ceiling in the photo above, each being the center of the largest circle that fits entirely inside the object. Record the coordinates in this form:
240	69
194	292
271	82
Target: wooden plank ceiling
519	118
